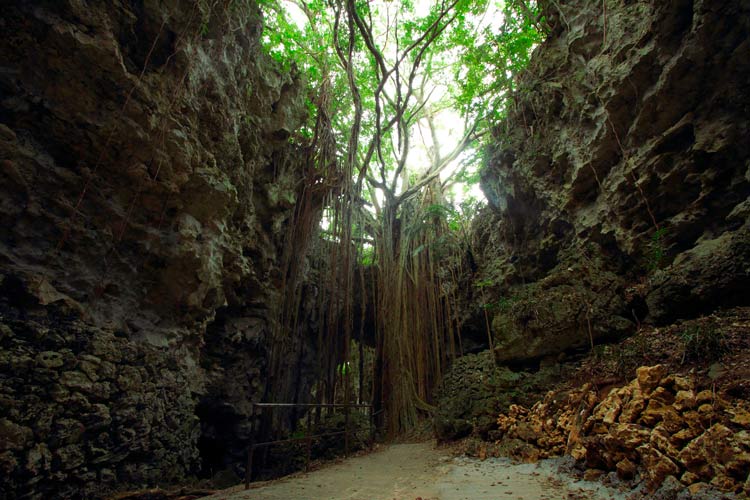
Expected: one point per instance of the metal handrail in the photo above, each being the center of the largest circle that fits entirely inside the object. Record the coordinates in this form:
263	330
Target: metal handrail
251	448
313	405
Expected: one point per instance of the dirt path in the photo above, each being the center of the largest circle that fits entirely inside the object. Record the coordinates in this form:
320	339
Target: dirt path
419	471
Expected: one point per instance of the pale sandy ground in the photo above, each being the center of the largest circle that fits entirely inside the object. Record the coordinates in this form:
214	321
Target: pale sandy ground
420	471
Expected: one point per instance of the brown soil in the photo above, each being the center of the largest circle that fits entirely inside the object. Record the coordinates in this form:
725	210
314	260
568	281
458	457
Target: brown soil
715	348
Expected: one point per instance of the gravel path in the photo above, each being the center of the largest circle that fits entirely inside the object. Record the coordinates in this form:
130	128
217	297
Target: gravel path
420	471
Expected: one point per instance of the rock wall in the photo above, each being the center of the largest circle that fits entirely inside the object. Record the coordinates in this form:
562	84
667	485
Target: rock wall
475	390
85	410
618	186
146	186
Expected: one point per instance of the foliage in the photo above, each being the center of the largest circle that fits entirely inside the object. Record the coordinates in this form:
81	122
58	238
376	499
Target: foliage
656	250
367	255
503	305
491	59
408	64
704	342
484	283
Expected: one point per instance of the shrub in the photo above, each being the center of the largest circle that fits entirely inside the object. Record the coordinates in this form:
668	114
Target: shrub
702	342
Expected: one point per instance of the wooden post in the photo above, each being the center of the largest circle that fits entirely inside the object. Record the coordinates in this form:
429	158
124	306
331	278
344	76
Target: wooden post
309	439
346	431
250	446
372	426
249	467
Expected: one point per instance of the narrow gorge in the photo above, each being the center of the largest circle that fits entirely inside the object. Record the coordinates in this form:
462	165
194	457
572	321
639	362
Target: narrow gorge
523	230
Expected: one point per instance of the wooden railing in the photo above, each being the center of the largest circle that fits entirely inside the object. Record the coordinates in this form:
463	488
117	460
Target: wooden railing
309	437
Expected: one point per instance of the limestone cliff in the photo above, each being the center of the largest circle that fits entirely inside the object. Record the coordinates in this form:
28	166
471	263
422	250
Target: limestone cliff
618	187
146	186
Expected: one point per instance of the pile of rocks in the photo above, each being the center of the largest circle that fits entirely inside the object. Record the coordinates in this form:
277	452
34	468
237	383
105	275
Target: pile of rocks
657	426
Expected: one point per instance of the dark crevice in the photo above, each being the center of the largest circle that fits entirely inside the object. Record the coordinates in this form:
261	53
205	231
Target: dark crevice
217	441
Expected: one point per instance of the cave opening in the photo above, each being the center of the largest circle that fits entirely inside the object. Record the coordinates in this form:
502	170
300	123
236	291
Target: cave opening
217	442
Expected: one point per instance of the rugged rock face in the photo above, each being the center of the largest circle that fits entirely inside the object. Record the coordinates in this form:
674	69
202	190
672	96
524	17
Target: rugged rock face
85	409
475	390
146	186
619	186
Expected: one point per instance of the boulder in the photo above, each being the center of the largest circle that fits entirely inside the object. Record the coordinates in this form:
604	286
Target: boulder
626	469
656	466
649	377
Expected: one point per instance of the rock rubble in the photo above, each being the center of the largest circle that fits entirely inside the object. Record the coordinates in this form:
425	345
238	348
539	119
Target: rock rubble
659	427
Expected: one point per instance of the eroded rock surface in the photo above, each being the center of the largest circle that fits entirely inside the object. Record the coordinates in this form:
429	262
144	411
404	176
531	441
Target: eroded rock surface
619	185
475	389
146	186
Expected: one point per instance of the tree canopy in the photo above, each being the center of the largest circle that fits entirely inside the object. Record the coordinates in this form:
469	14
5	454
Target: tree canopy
410	80
401	95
